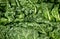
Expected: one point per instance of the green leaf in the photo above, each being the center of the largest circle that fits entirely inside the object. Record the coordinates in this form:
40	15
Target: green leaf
55	13
21	33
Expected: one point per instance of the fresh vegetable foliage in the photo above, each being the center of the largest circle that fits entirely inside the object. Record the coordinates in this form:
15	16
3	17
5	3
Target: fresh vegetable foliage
29	19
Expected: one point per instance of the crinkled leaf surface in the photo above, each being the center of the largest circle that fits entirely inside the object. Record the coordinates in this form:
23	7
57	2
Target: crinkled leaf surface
29	19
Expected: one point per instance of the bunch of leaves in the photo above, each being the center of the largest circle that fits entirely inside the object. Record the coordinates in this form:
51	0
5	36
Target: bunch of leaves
29	19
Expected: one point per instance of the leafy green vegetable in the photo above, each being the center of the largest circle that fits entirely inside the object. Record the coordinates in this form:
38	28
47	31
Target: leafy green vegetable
21	33
29	19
